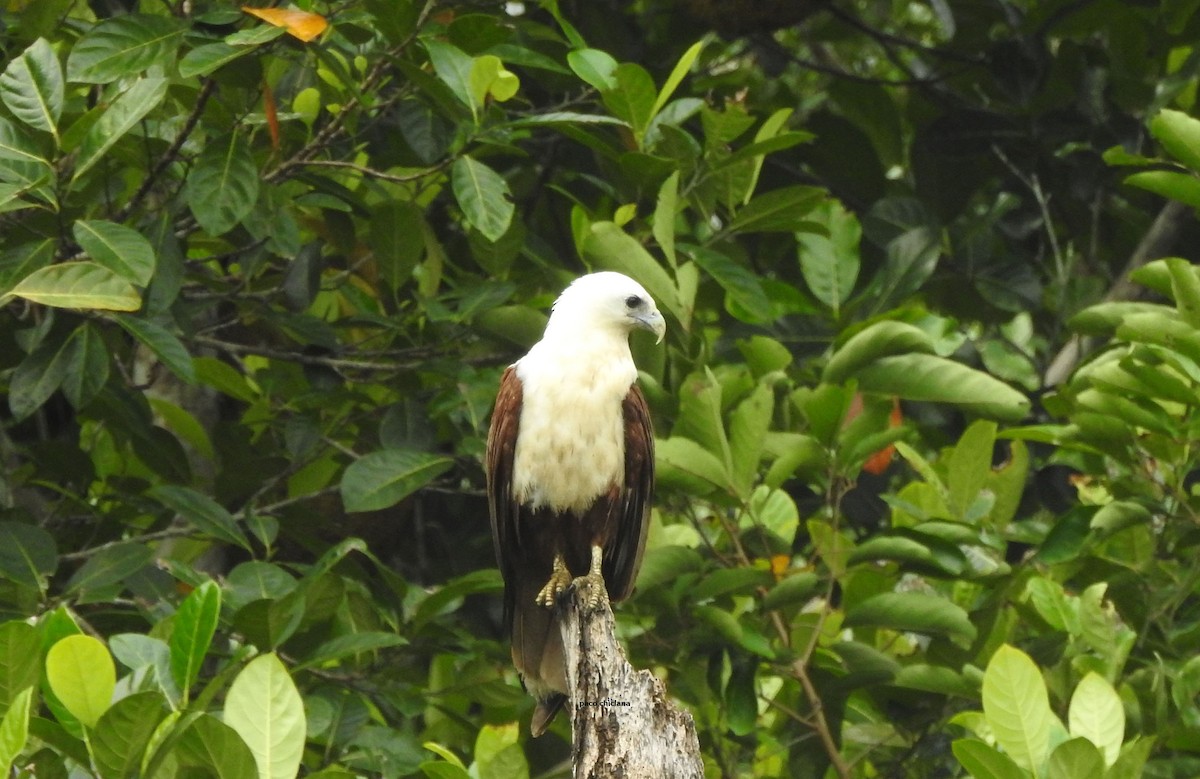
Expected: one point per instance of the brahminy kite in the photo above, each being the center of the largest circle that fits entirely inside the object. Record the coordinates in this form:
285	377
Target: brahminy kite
570	472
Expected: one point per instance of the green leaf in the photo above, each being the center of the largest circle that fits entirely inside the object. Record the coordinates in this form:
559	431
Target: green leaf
211	744
223	186
743	288
397	236
1164	331
665	564
125	113
32	87
265	709
78	285
1074	759
109	566
970	463
81	674
20	659
700	415
1132	761
14	730
28	555
194	627
748	425
139	652
909	548
165	345
792	591
830	263
1179	134
1017	707
912	611
1184	187
498	753
877	340
632	97
1097	714
382	479
123	46
122	250
1105	318
483	195
926	377
453	66
86	365
124	732
677	73
15	145
204	513
985	762
689	467
489	78
608	247
665	209
780	210
1185	288
37	378
205	59
596	67
350	644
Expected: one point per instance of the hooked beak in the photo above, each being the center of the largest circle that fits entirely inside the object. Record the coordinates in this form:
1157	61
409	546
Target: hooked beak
654	322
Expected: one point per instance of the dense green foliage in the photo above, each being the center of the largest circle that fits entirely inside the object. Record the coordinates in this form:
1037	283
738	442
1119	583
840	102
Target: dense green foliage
260	272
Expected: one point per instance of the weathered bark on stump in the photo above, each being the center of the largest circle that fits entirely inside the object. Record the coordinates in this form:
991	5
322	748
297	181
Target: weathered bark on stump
622	724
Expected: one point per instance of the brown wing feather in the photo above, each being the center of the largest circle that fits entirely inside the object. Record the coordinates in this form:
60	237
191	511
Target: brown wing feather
501	446
624	554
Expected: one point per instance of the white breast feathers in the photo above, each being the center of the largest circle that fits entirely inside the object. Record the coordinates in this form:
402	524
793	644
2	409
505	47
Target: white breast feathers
571	445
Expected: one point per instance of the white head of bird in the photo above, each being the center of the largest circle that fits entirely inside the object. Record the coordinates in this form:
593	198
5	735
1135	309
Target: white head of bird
605	303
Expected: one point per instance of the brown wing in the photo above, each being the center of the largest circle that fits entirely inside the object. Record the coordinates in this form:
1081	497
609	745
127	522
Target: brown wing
624	554
501	446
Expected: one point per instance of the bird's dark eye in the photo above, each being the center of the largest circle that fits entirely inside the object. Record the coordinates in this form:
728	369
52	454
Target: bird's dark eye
633	301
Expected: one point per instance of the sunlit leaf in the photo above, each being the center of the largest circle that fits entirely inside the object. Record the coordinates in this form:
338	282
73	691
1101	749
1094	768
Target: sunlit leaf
79	285
1097	714
14	729
265	709
1017	707
81	673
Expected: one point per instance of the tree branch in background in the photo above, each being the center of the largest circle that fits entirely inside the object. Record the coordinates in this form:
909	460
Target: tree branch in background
622	723
1157	242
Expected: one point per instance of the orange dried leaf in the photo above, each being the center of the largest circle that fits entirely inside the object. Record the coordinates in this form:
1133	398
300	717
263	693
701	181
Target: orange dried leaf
301	24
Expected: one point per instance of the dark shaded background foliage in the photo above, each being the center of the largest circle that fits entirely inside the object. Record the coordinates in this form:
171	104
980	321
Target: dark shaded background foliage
258	291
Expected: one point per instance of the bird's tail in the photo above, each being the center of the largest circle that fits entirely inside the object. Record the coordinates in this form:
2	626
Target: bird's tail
537	651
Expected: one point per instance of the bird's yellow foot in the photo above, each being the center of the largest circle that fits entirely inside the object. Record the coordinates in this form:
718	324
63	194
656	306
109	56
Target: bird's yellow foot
591	585
592	591
560	580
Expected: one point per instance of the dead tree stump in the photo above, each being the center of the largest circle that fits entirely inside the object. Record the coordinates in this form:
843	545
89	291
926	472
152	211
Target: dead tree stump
622	724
